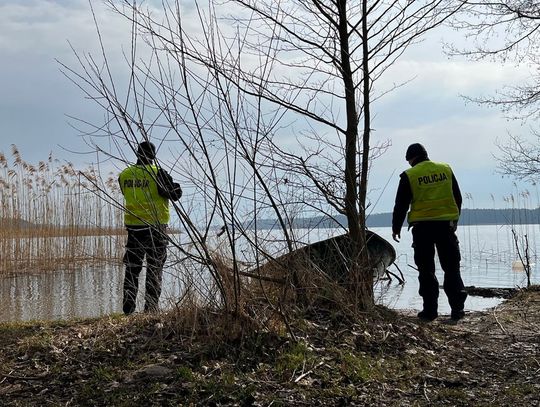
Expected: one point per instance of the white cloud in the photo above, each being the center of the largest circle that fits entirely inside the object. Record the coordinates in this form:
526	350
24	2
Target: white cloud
43	28
36	95
467	143
450	78
428	110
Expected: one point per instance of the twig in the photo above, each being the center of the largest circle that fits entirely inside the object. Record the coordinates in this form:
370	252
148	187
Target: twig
497	321
424	390
400	280
259	277
5	377
16	377
308	372
413	267
400	272
536	361
525	262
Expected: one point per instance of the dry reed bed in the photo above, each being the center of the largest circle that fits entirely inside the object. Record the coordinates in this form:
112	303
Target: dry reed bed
53	215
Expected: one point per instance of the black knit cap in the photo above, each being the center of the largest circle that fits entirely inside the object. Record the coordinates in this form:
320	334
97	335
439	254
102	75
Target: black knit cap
146	150
415	150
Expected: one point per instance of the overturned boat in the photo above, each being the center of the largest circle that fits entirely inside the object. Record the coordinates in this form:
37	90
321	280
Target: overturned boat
333	257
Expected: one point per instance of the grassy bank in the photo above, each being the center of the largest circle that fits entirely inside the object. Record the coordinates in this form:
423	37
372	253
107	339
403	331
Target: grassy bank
205	358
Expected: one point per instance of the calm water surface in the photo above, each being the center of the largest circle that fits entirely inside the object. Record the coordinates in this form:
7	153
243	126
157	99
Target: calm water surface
488	260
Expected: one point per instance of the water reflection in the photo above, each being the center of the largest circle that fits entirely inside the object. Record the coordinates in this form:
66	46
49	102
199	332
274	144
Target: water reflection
490	265
94	292
406	297
61	294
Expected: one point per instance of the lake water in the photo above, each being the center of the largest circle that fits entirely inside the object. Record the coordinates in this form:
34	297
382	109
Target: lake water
488	260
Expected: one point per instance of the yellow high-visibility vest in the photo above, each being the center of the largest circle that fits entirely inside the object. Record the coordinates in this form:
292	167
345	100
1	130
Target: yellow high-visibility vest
432	195
143	204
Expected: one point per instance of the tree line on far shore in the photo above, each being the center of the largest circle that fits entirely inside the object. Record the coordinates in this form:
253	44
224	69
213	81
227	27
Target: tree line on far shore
507	216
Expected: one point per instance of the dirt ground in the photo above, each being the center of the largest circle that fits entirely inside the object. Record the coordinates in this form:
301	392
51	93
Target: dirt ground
490	358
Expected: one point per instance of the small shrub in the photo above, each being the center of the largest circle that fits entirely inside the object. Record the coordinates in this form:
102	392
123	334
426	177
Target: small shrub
184	373
293	358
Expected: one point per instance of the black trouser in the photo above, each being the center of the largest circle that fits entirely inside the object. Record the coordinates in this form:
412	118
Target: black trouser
441	235
149	242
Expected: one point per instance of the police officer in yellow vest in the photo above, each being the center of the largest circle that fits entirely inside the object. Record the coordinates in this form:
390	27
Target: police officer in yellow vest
147	190
432	193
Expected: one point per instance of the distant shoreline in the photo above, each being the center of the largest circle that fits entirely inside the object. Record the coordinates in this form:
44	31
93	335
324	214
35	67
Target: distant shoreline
476	217
468	217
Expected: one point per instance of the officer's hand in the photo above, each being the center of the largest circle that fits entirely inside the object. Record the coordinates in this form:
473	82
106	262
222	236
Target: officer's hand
396	236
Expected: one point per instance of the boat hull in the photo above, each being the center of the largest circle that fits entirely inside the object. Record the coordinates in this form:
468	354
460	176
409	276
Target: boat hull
333	256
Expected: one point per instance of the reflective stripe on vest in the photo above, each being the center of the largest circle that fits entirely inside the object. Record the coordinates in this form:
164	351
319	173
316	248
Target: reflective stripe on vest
432	195
143	204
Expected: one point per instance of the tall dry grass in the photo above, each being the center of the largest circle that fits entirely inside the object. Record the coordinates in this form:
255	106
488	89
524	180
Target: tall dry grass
54	216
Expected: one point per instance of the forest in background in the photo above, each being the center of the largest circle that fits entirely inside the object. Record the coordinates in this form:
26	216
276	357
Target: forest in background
509	216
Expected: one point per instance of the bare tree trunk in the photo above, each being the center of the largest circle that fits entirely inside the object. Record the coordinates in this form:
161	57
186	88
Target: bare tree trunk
365	285
351	134
355	218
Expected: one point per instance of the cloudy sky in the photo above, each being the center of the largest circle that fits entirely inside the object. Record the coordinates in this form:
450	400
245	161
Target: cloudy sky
37	100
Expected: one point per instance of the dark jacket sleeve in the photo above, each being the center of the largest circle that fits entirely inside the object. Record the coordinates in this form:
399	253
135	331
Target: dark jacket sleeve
457	193
167	188
403	201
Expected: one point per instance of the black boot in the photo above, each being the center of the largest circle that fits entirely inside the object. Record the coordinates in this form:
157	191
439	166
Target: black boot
427	316
456	315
